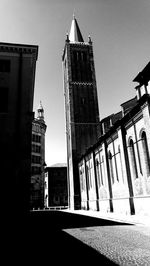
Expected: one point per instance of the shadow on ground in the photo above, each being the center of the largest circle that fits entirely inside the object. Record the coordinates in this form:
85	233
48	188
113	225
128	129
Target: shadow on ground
41	239
63	220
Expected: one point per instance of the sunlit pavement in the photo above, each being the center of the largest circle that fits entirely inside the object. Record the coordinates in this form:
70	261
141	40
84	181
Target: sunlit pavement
64	237
124	245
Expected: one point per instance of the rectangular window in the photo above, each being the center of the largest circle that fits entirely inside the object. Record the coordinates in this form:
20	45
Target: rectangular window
36	138
36	159
3	100
36	170
4	65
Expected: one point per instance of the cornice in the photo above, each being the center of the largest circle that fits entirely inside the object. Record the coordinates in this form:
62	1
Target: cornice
40	123
19	48
81	83
79	44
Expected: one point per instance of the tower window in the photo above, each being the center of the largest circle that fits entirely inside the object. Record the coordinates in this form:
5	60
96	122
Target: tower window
36	159
36	148
36	138
83	100
36	170
81	66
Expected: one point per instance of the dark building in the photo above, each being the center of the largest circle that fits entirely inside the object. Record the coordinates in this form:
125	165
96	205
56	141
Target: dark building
17	76
81	105
56	192
38	160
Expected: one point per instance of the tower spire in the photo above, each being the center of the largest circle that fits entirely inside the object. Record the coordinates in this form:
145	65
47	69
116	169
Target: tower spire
40	112
75	33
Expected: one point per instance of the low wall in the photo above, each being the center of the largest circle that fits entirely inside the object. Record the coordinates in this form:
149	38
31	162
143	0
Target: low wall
104	205
121	206
142	205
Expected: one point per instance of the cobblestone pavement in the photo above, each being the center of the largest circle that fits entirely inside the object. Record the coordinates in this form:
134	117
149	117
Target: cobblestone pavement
72	238
127	245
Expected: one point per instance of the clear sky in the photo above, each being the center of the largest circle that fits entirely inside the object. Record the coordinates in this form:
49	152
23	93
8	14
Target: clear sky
120	31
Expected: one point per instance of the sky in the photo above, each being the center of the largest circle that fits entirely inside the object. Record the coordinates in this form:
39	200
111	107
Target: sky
120	31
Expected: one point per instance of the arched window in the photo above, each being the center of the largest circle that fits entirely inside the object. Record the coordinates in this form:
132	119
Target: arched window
133	159
98	172
89	180
120	163
111	166
146	152
87	177
81	180
101	172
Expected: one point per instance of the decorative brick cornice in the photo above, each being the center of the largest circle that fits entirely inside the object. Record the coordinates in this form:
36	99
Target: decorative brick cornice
19	48
77	44
81	83
40	123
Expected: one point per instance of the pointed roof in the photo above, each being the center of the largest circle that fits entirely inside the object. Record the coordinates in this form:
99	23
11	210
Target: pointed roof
40	112
75	33
143	76
40	107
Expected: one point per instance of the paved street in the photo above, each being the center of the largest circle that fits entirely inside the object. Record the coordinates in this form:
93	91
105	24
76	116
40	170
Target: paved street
124	245
57	237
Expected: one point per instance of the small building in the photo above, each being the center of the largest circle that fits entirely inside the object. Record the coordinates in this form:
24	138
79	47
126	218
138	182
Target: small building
38	160
56	191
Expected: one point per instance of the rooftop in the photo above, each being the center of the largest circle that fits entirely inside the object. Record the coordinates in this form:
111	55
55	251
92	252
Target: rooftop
59	165
75	33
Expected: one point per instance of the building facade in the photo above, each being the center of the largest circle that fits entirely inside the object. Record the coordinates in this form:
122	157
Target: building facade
115	172
56	191
38	160
17	76
81	105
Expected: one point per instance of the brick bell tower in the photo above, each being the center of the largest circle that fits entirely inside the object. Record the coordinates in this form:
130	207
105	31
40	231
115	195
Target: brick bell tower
81	105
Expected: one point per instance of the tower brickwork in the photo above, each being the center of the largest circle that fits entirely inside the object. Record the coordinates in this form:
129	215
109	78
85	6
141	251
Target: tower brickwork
81	104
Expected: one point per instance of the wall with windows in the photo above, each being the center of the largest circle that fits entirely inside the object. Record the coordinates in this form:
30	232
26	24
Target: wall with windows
37	164
115	173
133	144
91	186
102	181
83	186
